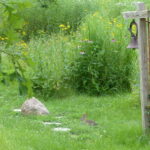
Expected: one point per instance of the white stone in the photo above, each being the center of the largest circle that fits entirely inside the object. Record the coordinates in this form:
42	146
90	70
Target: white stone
17	110
34	107
62	129
51	123
59	117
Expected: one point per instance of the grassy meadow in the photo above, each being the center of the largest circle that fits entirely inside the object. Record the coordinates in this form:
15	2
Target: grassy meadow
118	119
72	55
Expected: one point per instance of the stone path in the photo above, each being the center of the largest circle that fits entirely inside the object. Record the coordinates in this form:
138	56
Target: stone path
17	110
51	123
61	129
46	123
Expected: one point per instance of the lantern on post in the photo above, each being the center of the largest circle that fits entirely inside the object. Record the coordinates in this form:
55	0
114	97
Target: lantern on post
133	29
141	14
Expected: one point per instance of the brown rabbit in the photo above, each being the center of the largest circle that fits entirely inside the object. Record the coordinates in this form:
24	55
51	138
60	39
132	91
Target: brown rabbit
89	122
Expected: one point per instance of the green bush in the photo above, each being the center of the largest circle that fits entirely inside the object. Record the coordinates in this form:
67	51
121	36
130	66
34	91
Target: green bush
59	12
104	65
12	22
92	58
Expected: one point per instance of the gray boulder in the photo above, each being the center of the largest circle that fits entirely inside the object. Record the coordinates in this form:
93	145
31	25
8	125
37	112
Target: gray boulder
33	107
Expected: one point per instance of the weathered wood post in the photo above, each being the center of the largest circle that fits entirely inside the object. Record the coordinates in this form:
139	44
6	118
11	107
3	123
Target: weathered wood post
144	71
141	14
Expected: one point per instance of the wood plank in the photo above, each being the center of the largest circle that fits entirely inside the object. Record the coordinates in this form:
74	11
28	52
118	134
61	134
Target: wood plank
136	14
143	57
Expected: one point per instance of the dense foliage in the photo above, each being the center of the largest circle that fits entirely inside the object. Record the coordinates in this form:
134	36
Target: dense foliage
55	46
104	64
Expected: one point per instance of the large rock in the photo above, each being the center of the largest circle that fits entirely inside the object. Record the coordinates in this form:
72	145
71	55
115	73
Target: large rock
34	107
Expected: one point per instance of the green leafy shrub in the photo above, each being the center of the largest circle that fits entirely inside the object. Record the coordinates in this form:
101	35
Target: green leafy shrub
104	65
14	64
12	23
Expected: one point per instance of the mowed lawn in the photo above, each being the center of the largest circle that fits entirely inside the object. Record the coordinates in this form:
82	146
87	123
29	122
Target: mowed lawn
118	118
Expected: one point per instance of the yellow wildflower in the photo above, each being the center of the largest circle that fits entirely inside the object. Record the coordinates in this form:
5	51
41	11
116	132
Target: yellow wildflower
62	26
65	28
25	53
3	38
114	20
23	33
68	26
22	44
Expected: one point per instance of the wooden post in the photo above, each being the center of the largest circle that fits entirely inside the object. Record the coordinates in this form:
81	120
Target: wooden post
141	14
148	40
148	46
143	57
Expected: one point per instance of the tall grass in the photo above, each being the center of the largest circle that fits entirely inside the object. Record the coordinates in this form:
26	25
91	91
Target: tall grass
92	60
105	64
52	57
79	45
56	13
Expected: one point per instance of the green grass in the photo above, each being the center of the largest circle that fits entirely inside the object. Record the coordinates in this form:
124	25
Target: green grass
118	118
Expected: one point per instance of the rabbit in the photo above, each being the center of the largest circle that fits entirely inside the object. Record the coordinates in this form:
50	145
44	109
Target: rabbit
89	122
